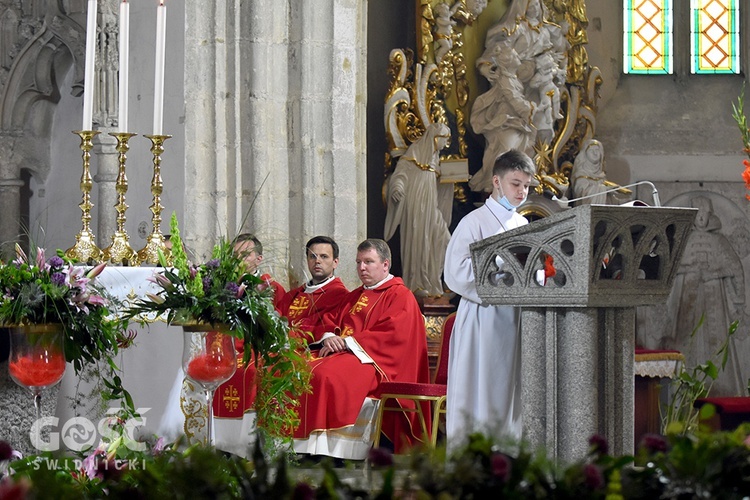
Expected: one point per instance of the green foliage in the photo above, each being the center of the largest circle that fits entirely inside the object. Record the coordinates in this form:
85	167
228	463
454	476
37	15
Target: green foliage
738	113
702	465
222	292
57	291
680	416
696	465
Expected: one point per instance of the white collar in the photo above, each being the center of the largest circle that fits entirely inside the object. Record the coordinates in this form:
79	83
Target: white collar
310	288
390	276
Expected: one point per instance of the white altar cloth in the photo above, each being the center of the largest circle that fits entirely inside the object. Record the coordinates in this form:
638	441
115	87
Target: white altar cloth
149	367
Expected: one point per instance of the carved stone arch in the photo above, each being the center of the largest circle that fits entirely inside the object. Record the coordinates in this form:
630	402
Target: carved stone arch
43	49
8	26
32	75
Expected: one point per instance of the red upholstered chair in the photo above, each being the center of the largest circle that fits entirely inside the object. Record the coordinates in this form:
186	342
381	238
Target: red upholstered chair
433	393
730	411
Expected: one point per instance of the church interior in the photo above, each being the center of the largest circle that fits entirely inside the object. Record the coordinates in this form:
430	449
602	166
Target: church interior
290	119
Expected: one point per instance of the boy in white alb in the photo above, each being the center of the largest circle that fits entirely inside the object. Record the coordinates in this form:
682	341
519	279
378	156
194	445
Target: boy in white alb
485	350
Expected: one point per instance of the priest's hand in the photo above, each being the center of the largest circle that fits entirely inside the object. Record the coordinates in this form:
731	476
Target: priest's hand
332	345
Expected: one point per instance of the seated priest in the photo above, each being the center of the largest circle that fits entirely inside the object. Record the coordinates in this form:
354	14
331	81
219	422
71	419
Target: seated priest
305	307
173	422
250	249
379	335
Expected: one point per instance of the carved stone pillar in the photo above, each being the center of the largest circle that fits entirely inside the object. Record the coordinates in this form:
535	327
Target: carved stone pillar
10	207
106	176
275	124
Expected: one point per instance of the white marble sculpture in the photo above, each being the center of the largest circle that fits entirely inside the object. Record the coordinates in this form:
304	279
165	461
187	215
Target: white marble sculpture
547	96
540	47
502	114
412	204
444	24
587	177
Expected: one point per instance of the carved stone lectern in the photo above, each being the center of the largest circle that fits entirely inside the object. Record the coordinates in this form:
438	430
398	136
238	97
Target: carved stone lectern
578	326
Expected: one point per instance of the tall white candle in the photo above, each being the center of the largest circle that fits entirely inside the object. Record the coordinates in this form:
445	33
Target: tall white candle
122	119
161	31
88	79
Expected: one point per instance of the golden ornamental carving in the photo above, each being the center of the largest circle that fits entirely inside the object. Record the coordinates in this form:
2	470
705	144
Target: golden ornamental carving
434	326
437	84
463	148
421	87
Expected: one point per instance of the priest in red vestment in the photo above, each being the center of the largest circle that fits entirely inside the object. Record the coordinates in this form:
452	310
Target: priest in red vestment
305	307
310	306
379	335
236	395
250	249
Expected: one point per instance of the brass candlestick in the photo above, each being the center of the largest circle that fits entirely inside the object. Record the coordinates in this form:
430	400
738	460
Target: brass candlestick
120	251
156	241
85	249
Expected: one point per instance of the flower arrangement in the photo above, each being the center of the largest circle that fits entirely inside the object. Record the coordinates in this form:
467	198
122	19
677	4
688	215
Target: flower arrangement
738	113
703	465
222	292
57	291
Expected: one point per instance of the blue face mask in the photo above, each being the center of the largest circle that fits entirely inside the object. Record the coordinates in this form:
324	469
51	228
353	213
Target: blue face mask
506	203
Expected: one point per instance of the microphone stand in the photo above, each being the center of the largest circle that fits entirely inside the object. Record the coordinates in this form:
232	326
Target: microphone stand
564	202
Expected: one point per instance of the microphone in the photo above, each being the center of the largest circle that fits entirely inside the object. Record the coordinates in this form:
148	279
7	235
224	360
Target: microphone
564	202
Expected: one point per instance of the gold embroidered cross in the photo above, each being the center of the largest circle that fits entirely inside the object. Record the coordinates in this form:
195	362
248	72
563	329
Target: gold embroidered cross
231	398
300	305
360	304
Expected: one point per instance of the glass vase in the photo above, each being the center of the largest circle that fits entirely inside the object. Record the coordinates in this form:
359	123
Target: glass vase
36	362
208	359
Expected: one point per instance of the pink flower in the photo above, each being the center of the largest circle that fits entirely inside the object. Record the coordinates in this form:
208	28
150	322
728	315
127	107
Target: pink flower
155	298
41	262
14	490
96	271
6	451
593	477
159	445
654	443
20	255
380	457
501	466
598	444
90	463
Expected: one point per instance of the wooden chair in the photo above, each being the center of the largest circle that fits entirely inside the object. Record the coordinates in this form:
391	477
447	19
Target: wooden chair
434	393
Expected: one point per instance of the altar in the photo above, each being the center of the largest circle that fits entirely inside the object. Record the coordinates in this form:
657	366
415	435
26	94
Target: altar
148	367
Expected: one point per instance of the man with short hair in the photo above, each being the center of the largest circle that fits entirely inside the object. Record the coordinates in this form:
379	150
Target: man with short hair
379	335
484	367
249	247
236	396
307	306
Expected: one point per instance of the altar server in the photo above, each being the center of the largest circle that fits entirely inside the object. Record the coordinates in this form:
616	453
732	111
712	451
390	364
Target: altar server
484	391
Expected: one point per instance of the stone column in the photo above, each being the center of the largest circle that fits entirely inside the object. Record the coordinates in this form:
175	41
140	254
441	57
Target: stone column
274	124
107	168
10	207
577	378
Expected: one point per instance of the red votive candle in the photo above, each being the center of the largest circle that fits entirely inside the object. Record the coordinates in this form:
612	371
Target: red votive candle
40	370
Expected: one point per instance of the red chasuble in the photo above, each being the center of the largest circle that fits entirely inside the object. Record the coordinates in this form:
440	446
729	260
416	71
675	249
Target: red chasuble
387	324
310	312
235	396
306	311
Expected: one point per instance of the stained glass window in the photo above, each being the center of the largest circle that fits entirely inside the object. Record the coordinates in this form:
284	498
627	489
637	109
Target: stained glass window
714	36
648	36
